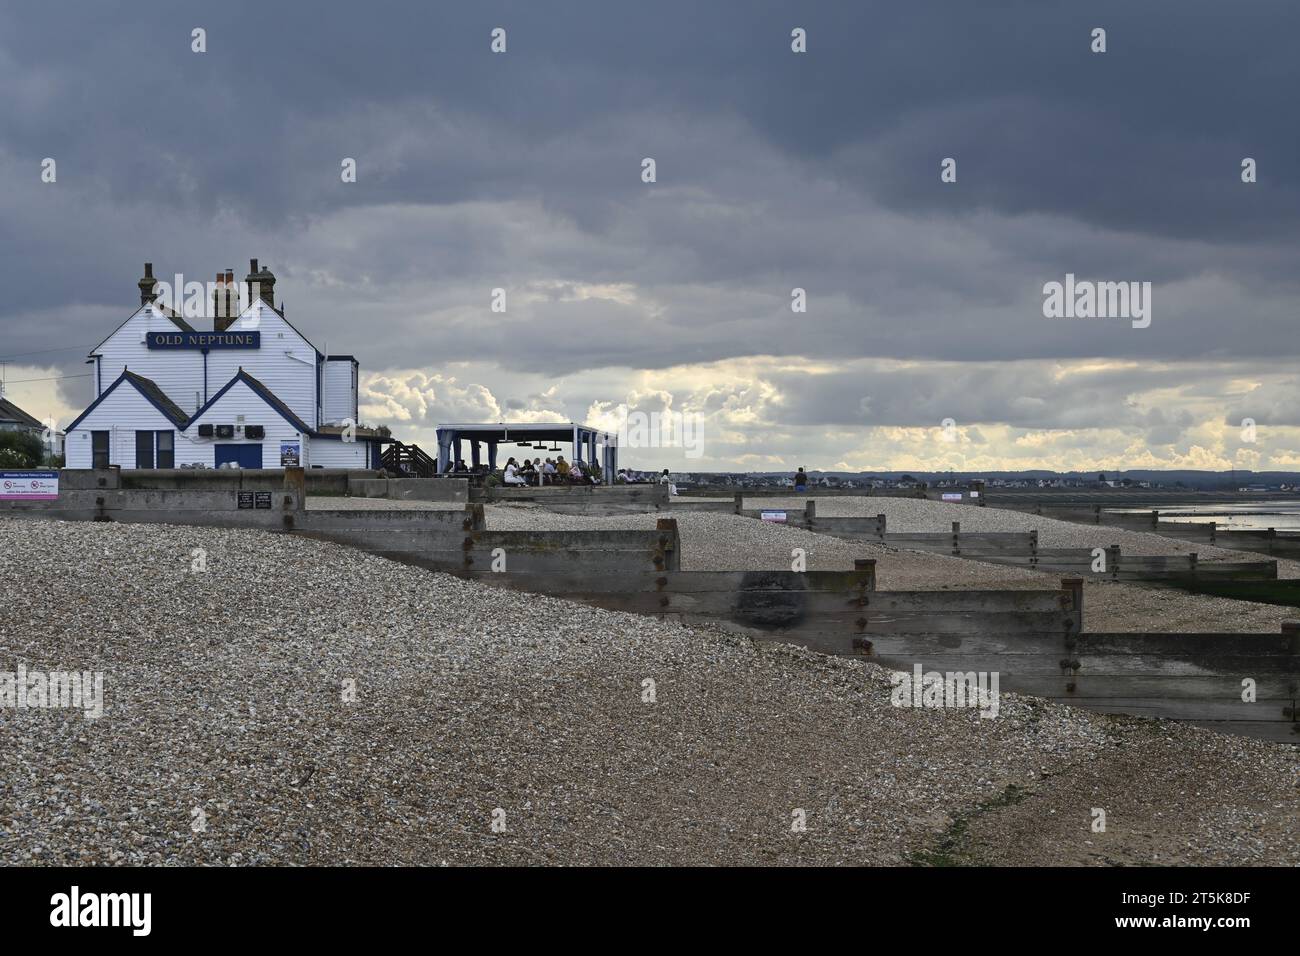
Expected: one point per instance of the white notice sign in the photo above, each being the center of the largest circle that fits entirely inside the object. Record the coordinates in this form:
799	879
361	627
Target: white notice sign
29	485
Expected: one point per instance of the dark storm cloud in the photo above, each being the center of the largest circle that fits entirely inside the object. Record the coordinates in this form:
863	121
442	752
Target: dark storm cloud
775	170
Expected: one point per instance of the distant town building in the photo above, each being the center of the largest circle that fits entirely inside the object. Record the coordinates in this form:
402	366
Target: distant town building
13	418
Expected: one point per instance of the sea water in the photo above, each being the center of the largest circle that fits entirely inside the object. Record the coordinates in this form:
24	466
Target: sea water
1240	516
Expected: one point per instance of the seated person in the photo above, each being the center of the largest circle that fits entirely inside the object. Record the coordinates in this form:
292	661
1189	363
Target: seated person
529	472
562	468
512	473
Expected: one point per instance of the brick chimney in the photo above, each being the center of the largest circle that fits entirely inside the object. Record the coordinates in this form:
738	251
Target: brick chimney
220	304
232	293
261	283
148	285
225	301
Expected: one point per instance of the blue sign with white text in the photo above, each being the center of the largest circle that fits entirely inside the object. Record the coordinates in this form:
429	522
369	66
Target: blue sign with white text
204	340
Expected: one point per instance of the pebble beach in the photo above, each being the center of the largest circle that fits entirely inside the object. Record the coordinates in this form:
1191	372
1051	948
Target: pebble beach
300	703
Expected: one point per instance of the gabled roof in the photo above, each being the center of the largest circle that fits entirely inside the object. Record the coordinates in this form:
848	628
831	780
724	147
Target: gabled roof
9	412
150	390
162	310
176	320
265	394
146	387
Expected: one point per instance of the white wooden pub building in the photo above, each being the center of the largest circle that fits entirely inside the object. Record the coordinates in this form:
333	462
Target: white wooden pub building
251	391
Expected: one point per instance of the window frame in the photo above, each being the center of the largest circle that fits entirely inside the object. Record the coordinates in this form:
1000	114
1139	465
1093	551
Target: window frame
141	433
158	450
107	451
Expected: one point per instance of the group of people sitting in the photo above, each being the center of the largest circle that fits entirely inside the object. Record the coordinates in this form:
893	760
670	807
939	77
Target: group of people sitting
548	472
626	476
557	471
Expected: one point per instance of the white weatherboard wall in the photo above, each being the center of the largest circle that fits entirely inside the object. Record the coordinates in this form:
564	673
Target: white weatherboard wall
328	453
242	400
178	372
339	401
121	414
285	363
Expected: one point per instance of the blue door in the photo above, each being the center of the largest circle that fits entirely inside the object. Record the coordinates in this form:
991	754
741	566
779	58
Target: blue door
246	456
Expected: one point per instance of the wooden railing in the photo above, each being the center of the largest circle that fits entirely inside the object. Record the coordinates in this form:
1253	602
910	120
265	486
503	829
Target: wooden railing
408	461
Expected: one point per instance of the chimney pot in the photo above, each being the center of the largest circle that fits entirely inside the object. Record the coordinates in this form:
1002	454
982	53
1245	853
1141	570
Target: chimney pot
261	284
147	285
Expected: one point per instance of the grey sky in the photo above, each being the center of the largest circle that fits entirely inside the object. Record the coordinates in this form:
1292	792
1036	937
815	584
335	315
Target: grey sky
775	170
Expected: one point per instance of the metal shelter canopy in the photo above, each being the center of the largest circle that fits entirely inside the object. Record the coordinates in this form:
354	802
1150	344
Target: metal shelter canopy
583	438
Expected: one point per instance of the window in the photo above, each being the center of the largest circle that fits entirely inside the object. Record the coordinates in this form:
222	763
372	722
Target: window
166	449
99	449
144	449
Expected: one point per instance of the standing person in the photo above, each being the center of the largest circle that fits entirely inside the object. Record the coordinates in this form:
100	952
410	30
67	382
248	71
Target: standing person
800	480
666	479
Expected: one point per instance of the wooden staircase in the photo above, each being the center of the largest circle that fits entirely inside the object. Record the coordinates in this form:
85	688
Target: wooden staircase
408	461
